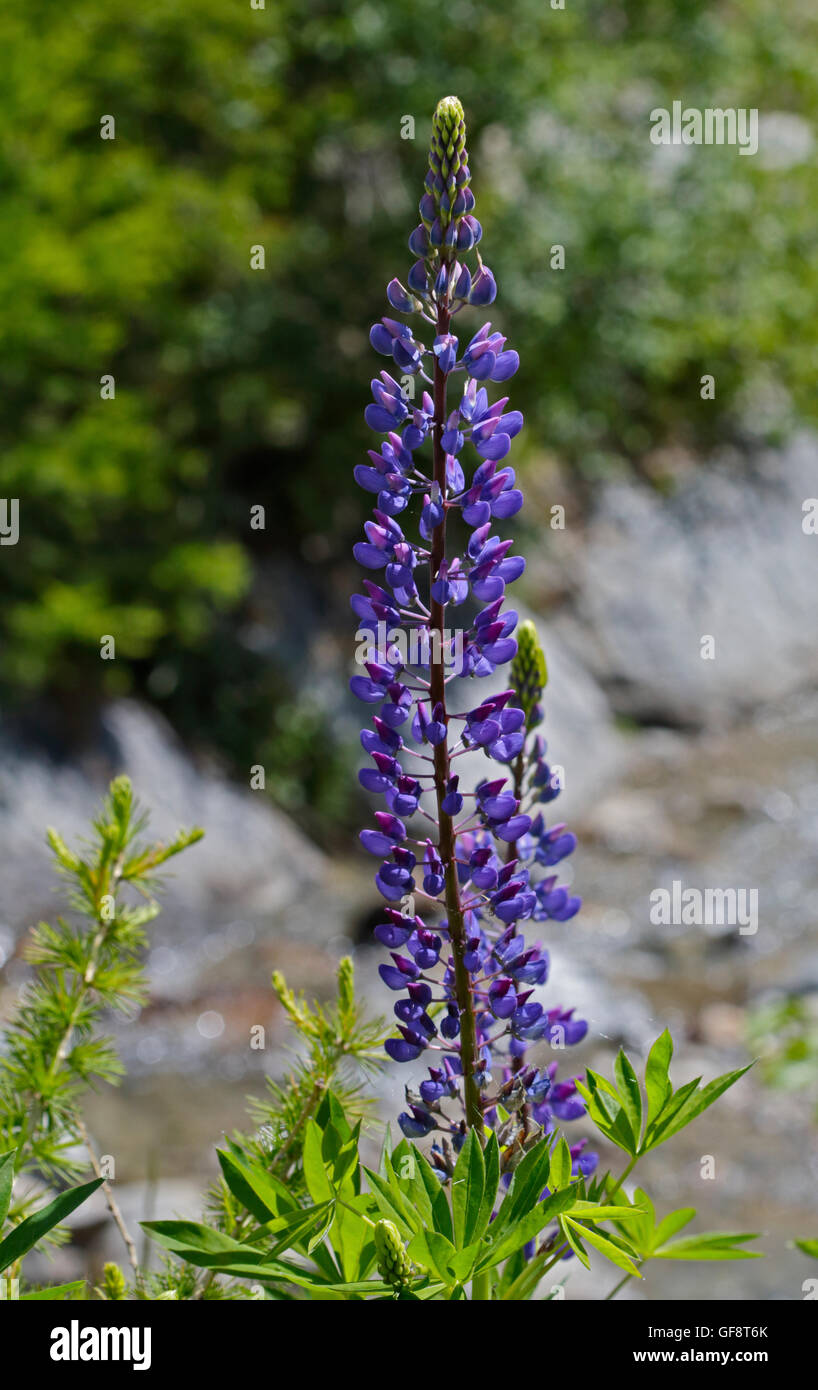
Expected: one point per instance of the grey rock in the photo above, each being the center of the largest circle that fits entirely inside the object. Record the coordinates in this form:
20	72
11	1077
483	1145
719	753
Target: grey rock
725	556
252	865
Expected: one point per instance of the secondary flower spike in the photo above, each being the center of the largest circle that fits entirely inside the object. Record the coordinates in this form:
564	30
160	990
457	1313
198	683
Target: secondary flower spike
462	868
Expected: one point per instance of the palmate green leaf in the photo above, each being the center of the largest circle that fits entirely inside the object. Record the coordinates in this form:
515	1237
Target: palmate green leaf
277	1271
710	1245
462	1264
402	1172
639	1223
468	1185
6	1183
617	1110
23	1237
693	1105
344	1170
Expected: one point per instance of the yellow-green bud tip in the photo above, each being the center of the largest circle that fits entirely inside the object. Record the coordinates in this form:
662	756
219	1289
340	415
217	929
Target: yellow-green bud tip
113	1282
449	111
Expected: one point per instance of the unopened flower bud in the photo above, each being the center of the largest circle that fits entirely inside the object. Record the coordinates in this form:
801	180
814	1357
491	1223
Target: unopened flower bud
529	673
113	1282
394	1265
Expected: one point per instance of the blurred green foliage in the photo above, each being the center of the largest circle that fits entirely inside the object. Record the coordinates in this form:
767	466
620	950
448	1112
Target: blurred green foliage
783	1033
281	127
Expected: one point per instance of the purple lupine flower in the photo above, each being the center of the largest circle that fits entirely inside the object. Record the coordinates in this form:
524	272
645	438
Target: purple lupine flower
466	974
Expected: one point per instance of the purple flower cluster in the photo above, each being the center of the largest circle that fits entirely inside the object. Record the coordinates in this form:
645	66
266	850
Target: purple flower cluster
479	862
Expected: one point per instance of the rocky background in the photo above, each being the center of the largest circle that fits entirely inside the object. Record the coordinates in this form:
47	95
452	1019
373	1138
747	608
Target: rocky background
676	768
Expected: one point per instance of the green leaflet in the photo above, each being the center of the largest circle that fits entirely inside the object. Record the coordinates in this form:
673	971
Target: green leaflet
607	1111
710	1245
434	1252
23	1237
194	1238
657	1081
598	1211
530	1177
500	1244
211	1249
411	1176
807	1247
491	1160
672	1223
651	1241
261	1194
6	1183
614	1250
54	1293
630	1095
330	1161
405	1170
570	1233
694	1104
468	1186
560	1170
393	1205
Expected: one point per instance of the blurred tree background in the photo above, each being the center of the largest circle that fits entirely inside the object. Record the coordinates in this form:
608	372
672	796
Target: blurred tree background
281	127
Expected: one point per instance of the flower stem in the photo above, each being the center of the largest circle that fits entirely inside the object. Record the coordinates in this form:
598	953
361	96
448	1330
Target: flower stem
617	1287
454	910
626	1172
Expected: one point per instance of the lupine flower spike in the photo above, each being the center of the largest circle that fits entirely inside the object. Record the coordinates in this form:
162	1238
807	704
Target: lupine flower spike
460	870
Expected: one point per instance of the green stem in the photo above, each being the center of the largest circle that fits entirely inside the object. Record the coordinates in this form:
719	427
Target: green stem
623	1175
617	1287
481	1287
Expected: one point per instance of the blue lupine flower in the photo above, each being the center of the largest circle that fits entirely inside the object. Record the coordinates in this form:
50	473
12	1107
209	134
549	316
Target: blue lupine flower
467	978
